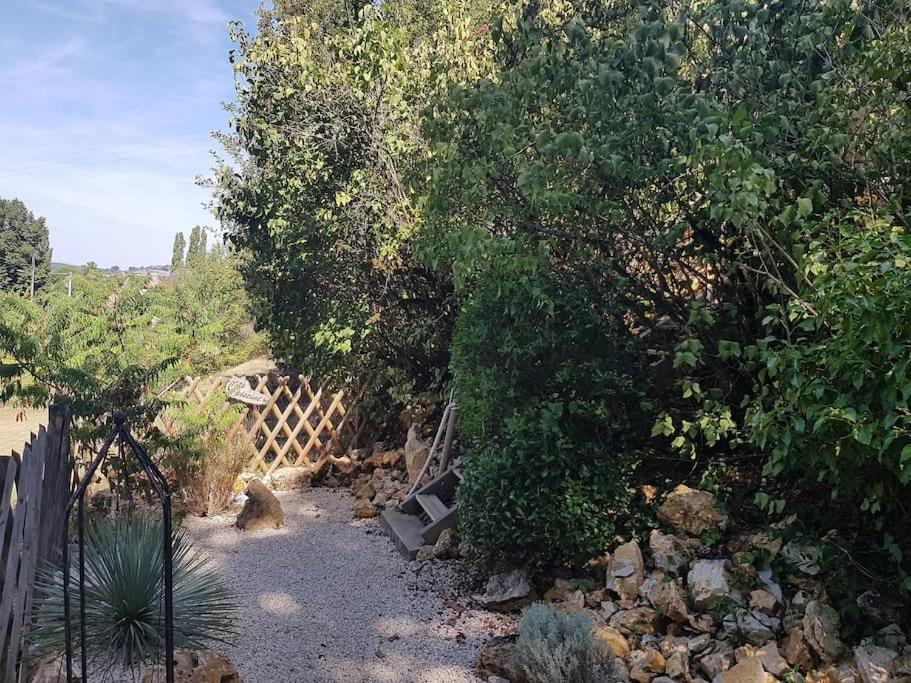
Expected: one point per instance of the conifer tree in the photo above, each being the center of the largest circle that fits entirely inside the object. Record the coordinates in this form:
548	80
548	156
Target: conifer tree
177	257
22	237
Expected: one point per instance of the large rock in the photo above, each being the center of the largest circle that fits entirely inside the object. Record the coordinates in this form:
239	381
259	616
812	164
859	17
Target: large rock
796	650
670	553
820	629
637	621
748	671
669	598
507	592
615	641
692	511
447	545
771	659
416	452
874	664
196	666
289	479
718	659
626	571
364	509
496	658
644	665
757	628
262	509
708	583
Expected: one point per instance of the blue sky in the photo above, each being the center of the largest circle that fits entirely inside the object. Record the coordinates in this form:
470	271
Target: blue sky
106	115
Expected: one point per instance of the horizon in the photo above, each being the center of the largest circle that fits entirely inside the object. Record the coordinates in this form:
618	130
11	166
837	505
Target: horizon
110	119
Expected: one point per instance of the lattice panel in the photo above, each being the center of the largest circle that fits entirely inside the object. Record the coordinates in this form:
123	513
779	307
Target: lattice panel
296	428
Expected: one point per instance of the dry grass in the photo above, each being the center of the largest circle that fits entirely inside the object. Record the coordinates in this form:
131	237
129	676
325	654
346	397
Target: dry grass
13	434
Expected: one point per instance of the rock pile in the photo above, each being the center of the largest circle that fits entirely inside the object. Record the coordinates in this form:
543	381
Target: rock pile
381	483
679	610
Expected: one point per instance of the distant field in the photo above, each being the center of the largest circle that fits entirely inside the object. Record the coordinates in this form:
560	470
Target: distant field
14	434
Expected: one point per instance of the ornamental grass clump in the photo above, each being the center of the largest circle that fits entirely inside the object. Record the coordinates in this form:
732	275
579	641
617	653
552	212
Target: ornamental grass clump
124	608
556	647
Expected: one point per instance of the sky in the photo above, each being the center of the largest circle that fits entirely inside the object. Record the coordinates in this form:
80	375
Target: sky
106	113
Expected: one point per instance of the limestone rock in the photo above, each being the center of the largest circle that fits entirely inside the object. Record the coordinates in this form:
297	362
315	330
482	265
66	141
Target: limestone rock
507	592
717	660
748	671
796	650
820	628
699	643
447	545
261	510
669	598
572	603
763	601
364	509
644	665
771	659
613	639
874	663
290	479
196	666
692	511
626	571
636	621
383	459
366	491
496	658
756	627
708	582
670	553
416	452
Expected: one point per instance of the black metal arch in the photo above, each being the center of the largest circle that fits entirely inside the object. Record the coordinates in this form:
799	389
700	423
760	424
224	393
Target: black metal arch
160	486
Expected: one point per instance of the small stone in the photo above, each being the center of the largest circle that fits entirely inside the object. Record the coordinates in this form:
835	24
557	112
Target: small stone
719	659
262	510
874	663
708	582
699	643
614	640
747	671
507	592
626	571
364	509
820	628
366	491
677	665
755	627
669	552
636	621
424	554
383	459
763	601
609	609
796	650
644	665
670	598
574	602
290	479
447	545
771	659
692	511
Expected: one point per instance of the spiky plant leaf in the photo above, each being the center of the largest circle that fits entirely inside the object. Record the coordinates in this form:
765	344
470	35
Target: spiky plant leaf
125	596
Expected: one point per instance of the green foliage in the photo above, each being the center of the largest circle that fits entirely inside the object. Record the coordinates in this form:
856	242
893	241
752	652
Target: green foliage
543	374
124	598
201	454
556	647
177	257
326	130
22	236
196	249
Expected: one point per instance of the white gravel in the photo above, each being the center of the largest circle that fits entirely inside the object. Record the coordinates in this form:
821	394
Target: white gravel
327	598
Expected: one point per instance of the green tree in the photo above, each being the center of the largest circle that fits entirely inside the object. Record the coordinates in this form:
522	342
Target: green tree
177	256
196	251
23	237
327	129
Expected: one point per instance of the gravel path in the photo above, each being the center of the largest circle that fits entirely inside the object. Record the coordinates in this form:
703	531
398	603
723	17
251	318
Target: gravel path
329	599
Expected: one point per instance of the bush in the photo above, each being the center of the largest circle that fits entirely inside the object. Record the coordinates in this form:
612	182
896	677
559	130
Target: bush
543	373
555	647
124	599
203	456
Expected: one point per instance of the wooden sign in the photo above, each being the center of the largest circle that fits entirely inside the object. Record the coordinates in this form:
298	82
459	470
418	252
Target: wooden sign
239	389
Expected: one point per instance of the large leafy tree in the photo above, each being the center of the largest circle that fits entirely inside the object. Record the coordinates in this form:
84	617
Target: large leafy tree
177	255
23	237
326	132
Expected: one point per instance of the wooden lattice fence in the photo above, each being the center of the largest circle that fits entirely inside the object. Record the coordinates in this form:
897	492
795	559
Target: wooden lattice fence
296	427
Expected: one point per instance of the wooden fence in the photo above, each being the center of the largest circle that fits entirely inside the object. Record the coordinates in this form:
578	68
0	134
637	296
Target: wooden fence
297	427
35	488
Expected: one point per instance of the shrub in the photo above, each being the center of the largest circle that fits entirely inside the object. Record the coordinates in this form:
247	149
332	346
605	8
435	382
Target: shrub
555	647
203	456
124	598
543	375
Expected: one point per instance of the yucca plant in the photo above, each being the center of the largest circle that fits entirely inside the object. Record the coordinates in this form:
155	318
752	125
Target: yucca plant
125	596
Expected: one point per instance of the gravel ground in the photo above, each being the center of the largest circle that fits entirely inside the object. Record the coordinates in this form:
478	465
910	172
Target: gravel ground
329	599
